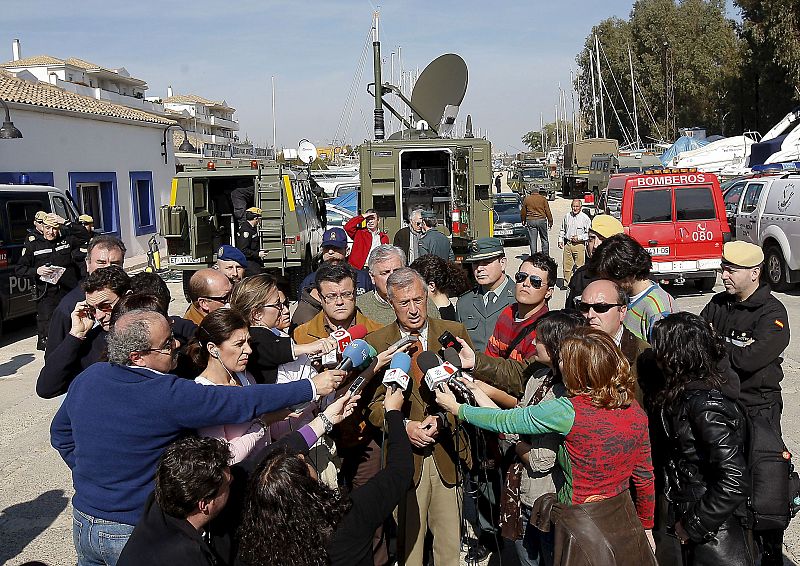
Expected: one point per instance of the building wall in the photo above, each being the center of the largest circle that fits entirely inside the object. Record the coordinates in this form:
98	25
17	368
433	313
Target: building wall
79	147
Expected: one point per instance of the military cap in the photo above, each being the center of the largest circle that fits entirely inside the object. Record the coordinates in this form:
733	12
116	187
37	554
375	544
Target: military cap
742	254
40	216
252	212
605	226
229	253
429	215
85	219
335	238
485	248
52	220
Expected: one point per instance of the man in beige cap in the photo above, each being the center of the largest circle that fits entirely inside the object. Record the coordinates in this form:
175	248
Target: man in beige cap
603	227
755	327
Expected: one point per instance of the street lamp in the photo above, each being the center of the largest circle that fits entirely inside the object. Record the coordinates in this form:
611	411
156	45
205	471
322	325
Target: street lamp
185	147
8	131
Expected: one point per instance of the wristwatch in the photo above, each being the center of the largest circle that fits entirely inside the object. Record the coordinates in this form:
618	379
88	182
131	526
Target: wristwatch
326	423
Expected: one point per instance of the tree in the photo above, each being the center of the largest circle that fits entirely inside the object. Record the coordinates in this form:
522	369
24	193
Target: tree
533	140
536	141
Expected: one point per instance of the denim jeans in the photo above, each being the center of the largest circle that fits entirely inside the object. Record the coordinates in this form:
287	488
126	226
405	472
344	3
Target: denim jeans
98	542
538	229
535	548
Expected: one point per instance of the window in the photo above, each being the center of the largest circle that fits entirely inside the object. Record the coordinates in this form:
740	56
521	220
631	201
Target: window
20	216
61	208
652	206
732	197
143	206
750	201
695	203
96	195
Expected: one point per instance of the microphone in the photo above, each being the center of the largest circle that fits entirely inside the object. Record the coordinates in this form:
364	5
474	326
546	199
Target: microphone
451	356
343	339
436	372
447	340
355	354
397	374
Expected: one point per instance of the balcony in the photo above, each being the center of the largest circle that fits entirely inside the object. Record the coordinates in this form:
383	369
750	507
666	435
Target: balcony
223	123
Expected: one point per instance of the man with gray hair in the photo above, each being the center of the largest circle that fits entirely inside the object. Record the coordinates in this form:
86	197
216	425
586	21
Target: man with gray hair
120	415
434	502
407	238
382	262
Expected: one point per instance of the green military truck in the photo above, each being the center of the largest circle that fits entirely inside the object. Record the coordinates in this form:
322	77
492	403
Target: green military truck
604	165
524	178
199	217
577	160
447	175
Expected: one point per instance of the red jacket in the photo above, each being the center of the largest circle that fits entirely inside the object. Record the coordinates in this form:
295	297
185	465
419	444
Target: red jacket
362	241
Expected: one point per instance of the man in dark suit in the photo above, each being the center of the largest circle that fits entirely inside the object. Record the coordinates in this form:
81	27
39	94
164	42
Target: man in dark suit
407	238
433	503
479	308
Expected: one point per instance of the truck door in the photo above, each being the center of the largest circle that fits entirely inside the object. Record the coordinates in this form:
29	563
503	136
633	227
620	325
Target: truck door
204	228
746	220
650	221
698	227
731	198
460	209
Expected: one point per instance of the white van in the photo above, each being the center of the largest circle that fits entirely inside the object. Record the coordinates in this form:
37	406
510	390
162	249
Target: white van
768	214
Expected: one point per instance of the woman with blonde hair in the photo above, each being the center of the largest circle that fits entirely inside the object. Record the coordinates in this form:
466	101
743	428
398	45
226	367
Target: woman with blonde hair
266	308
606	449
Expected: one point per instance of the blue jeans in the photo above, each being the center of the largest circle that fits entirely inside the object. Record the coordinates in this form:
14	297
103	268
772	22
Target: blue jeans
538	229
98	542
535	548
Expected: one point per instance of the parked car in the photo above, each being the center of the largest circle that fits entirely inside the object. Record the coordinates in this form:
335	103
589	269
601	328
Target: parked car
678	216
507	224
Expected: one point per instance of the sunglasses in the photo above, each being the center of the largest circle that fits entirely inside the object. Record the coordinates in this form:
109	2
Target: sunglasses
223	299
536	281
599	308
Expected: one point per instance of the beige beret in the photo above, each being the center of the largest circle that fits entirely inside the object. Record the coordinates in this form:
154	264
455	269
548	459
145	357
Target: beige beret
742	254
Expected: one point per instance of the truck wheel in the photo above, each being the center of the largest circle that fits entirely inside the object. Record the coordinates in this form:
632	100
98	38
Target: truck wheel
775	269
186	274
705	283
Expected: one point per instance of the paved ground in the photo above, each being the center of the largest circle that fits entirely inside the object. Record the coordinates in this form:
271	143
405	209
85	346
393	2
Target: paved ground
35	521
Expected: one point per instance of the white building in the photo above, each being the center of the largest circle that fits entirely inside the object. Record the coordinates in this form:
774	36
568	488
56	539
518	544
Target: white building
210	124
109	157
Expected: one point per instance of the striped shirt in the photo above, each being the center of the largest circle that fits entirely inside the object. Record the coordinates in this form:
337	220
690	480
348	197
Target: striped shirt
506	330
646	308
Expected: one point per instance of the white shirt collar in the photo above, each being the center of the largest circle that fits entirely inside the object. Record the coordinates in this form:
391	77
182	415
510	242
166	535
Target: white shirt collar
618	336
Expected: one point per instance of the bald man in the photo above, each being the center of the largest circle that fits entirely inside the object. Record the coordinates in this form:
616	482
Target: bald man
209	289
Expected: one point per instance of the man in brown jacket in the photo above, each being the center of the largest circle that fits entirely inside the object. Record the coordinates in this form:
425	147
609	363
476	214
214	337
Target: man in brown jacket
538	219
433	503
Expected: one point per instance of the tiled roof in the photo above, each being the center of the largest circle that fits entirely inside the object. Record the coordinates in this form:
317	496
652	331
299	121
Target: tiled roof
177	138
194	99
46	95
33	61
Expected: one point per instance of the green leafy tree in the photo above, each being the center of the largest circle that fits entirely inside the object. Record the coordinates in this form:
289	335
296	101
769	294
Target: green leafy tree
533	140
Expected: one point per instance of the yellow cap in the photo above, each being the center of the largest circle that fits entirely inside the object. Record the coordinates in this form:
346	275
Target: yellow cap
52	221
254	210
40	216
742	254
85	219
605	226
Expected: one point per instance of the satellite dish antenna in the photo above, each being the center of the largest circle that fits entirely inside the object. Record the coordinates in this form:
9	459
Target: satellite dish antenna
442	83
306	151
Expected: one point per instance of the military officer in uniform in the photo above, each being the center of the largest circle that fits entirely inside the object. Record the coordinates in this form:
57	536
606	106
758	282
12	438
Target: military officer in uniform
479	308
44	252
248	241
755	327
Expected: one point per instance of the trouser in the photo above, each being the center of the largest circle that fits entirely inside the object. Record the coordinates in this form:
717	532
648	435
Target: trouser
535	548
538	228
45	305
98	542
574	257
359	465
431	505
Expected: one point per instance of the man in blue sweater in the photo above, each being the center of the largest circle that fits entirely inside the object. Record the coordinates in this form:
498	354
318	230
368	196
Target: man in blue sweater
118	417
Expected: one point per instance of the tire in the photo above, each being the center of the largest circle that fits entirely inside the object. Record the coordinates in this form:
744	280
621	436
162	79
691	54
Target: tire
775	269
705	283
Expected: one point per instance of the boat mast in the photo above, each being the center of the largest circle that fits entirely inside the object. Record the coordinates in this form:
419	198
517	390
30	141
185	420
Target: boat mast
274	129
600	83
633	92
594	94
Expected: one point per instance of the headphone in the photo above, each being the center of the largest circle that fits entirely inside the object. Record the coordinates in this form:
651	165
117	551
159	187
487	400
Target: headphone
215	353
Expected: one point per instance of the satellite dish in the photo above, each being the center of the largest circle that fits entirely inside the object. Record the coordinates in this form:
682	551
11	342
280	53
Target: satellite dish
306	151
442	83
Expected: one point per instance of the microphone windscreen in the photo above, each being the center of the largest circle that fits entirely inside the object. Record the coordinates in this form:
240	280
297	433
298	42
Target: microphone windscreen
402	361
427	361
358	331
451	355
357	351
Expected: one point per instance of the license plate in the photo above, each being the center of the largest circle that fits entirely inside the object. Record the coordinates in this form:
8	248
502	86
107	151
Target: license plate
179	259
502	232
660	250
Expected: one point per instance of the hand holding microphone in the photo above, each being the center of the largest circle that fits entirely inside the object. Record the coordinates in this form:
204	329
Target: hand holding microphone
341	339
396	378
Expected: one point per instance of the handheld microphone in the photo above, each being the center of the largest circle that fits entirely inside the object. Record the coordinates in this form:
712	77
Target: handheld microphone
397	374
436	372
451	357
355	354
447	340
343	339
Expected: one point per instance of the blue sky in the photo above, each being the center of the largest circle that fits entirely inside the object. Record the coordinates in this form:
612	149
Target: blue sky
517	53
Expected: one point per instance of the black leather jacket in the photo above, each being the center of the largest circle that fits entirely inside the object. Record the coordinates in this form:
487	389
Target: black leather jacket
705	463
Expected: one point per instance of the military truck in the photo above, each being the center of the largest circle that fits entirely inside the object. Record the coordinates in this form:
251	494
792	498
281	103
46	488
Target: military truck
605	164
199	217
423	164
577	160
524	178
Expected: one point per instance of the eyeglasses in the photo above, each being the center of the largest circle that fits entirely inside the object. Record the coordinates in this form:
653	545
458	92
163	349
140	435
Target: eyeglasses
167	348
536	281
599	308
223	299
333	297
278	306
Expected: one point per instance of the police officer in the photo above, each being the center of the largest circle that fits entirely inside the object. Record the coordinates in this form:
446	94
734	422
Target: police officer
248	241
44	252
755	327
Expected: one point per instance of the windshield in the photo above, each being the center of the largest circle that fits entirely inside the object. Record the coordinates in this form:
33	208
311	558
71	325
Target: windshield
506	207
530	174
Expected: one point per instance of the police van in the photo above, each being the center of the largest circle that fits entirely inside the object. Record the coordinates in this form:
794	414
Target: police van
18	205
678	215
